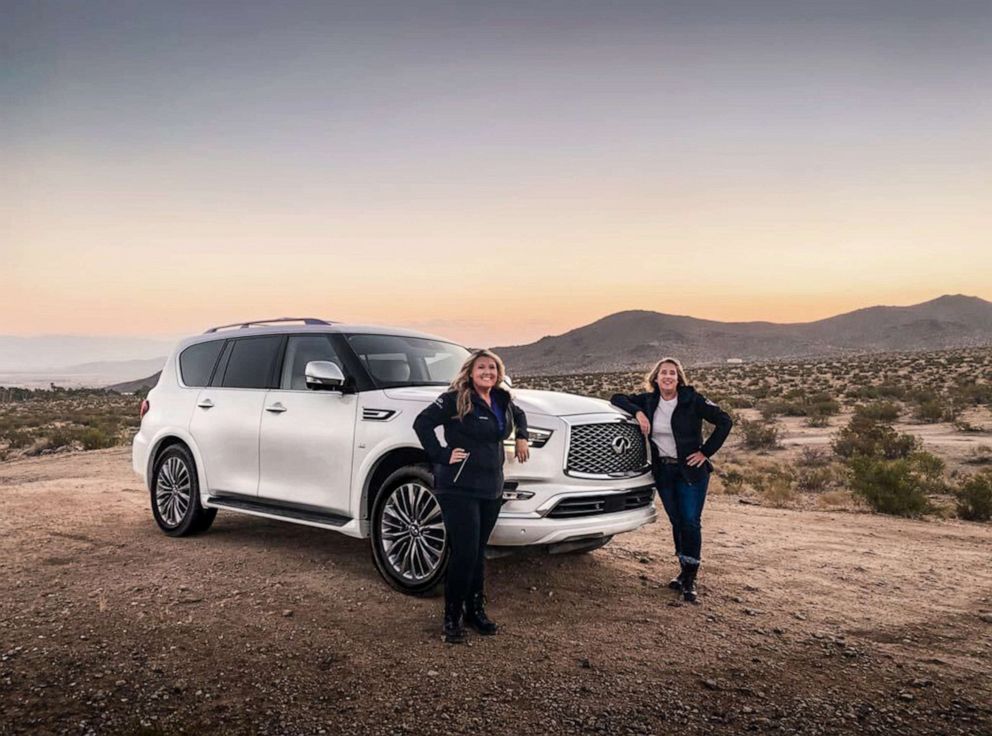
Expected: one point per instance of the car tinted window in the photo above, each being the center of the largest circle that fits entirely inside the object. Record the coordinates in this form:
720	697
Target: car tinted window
196	362
252	361
300	350
393	360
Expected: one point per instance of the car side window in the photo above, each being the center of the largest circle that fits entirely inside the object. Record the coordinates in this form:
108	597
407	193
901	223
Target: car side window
252	362
196	363
300	350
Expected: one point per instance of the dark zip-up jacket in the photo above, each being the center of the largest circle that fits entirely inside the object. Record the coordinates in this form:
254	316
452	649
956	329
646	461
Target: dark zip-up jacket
478	433
687	425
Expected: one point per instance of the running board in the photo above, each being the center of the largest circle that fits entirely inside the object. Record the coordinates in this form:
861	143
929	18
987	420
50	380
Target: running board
273	510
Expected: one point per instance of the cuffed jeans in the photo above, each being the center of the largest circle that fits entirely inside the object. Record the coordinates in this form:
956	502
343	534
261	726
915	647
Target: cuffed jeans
683	502
468	522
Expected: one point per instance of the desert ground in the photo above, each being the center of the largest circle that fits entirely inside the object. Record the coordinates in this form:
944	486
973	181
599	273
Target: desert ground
812	622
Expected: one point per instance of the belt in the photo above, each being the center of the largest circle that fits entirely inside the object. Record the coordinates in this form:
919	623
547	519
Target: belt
668	460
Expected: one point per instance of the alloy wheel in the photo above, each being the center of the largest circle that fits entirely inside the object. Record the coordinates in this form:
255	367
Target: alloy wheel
412	532
172	491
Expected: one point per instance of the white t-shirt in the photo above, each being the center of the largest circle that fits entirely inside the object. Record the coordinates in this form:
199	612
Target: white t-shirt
661	428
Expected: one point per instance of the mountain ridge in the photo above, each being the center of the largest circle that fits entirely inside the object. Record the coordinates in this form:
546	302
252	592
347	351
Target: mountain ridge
635	338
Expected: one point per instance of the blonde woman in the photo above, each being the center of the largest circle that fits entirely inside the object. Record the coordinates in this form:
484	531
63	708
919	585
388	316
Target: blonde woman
477	415
671	414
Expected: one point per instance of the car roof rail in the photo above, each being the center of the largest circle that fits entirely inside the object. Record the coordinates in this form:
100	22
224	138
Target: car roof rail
253	323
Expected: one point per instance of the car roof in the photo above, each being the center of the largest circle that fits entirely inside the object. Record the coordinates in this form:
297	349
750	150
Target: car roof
332	327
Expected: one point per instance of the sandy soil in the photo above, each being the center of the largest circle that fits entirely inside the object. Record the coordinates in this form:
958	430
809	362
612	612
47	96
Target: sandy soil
811	622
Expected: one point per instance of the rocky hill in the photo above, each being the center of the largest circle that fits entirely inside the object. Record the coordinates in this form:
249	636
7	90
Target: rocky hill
635	339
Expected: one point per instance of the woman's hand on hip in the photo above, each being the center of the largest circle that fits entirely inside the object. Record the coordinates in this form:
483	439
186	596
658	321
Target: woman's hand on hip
642	419
522	452
457	455
696	459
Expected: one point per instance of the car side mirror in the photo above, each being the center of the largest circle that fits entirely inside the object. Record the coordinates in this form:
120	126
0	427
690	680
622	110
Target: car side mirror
323	375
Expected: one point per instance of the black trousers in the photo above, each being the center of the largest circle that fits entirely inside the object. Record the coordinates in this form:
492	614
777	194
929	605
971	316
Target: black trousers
468	523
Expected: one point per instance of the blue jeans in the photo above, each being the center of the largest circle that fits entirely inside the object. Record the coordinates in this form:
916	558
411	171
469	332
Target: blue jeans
683	502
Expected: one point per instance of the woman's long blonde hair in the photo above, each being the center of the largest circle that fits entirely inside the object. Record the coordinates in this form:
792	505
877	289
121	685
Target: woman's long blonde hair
651	378
462	383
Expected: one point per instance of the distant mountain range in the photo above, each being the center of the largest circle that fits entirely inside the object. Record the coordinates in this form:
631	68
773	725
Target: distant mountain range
635	339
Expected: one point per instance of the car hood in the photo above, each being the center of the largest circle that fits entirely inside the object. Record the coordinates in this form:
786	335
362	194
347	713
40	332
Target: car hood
552	403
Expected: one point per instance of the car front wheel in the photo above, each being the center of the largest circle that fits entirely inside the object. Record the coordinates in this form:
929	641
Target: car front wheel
409	543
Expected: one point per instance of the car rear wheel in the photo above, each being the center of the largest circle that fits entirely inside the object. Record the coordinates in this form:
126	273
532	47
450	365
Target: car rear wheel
409	542
175	494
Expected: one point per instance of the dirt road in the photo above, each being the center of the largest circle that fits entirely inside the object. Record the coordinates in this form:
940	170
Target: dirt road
811	622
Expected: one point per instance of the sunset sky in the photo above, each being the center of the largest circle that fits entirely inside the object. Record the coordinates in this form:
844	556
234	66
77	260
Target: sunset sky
492	171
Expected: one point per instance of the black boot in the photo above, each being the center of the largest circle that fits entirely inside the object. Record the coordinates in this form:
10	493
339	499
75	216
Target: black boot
475	615
454	632
689	582
676	582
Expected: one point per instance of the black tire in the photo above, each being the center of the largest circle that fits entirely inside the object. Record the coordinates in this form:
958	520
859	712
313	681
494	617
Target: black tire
175	494
391	537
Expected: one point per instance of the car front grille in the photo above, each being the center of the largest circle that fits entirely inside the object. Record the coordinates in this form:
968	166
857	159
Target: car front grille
606	449
569	508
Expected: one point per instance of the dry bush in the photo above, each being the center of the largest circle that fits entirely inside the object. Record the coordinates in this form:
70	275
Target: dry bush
889	486
812	457
814	480
757	435
774	484
980	455
867	438
835	499
929	411
732	480
879	411
974	498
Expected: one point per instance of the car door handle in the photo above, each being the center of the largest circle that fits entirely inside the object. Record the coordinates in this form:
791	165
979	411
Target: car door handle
276	408
205	404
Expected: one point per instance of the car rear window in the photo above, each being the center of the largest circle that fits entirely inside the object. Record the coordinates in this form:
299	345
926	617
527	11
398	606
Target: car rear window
252	362
196	362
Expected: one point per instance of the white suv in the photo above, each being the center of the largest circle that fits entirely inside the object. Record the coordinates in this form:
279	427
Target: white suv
311	422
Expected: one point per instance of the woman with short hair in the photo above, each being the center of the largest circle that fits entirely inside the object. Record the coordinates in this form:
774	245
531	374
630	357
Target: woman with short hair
477	415
670	413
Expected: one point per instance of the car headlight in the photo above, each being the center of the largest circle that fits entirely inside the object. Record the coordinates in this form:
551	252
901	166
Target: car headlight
538	437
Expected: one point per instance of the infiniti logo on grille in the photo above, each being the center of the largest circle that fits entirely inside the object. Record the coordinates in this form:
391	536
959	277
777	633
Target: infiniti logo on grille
620	444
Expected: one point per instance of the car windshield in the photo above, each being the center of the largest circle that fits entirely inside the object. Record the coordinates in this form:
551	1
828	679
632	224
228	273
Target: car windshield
392	360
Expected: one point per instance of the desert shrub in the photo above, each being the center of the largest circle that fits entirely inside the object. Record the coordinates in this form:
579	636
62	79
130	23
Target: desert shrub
758	435
964	426
930	471
94	438
814	480
833	499
974	498
929	411
889	486
818	415
774	484
57	438
880	391
973	393
813	457
771	408
18	439
869	438
879	411
733	480
980	455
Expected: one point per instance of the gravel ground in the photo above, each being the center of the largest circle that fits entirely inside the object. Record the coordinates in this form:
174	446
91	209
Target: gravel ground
810	623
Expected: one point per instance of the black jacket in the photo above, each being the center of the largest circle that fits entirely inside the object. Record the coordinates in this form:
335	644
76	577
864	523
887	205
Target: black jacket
687	424
481	474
